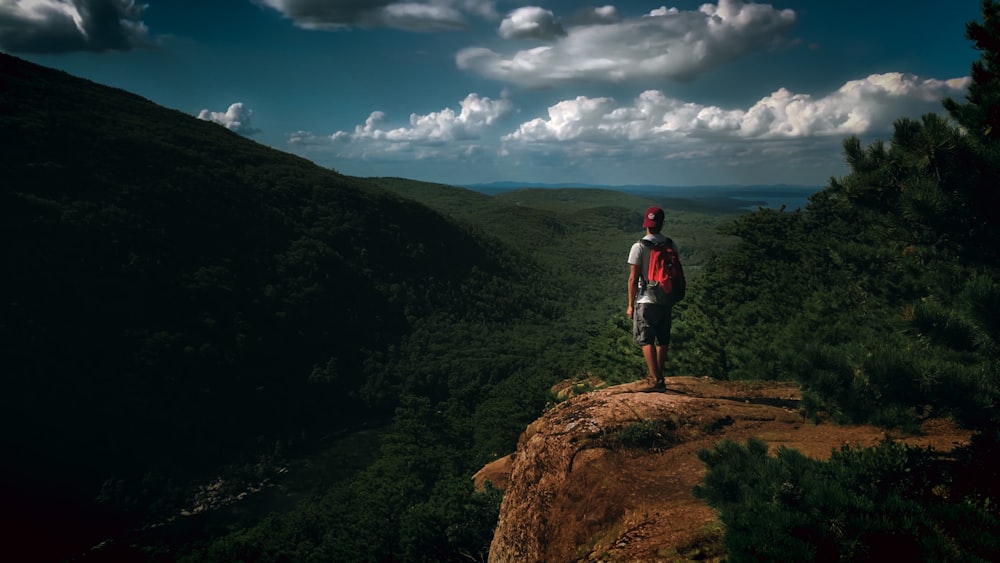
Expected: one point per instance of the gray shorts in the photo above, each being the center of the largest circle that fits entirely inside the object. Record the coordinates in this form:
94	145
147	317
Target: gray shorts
651	324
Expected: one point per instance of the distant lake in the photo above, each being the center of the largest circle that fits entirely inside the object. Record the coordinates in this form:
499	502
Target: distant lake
792	199
773	197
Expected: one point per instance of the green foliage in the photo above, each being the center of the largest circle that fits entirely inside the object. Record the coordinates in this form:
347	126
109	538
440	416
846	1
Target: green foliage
645	434
611	347
414	503
864	504
881	301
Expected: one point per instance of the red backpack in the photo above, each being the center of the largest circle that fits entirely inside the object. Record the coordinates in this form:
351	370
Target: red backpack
665	277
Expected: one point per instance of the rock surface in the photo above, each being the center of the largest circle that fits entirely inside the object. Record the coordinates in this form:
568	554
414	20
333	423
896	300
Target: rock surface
575	492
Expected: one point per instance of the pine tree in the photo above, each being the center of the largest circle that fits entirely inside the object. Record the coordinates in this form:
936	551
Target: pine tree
980	117
981	114
899	259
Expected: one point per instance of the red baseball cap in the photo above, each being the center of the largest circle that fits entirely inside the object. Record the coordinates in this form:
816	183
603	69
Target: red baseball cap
653	218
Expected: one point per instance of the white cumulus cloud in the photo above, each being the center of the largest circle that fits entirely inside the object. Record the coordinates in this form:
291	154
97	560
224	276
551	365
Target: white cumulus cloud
436	134
859	107
666	43
236	118
531	22
59	26
797	133
413	15
856	108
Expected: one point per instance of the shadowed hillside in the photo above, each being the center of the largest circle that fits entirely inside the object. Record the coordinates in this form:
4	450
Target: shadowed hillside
178	298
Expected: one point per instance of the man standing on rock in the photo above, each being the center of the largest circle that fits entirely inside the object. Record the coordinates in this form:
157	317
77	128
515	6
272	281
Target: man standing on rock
648	308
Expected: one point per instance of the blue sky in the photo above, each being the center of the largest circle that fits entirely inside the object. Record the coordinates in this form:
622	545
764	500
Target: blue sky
466	91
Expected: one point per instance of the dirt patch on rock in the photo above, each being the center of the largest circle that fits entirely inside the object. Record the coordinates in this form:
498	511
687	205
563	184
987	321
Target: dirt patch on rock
579	489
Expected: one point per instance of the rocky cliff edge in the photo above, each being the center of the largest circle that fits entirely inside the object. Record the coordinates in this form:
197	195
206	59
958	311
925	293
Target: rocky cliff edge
607	475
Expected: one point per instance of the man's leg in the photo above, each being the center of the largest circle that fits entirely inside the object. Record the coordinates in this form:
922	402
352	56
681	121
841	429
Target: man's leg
652	355
648	326
656	360
661	361
663	326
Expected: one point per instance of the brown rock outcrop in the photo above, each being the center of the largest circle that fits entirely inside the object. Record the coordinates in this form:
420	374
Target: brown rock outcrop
576	492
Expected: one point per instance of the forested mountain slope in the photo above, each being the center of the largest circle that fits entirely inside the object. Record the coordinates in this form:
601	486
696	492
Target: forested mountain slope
178	298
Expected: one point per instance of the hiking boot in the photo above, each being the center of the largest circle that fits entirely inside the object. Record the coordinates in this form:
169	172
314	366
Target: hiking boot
658	385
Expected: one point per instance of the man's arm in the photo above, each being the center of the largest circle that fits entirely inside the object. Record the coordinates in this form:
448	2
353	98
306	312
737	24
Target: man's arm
633	281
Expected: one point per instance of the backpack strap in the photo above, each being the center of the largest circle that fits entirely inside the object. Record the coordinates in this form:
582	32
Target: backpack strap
644	255
644	246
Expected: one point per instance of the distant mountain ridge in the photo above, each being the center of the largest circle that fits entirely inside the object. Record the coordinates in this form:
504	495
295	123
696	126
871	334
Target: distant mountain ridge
502	186
736	197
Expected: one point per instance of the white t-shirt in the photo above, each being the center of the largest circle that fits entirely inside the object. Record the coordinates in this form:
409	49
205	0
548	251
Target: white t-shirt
637	255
